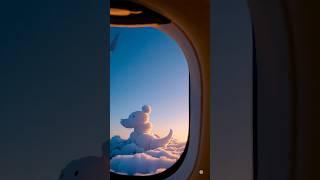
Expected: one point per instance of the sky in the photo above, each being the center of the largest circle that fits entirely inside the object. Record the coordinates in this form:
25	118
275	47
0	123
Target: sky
148	67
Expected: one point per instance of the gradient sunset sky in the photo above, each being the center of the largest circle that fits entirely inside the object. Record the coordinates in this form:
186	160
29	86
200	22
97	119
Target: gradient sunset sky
148	67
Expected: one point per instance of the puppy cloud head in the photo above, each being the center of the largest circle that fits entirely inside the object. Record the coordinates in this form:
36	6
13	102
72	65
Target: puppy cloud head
138	119
146	109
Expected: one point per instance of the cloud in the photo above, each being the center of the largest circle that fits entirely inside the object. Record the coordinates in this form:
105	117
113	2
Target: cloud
119	146
128	159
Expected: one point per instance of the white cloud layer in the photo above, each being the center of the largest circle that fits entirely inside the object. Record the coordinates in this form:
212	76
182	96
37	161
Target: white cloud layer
129	159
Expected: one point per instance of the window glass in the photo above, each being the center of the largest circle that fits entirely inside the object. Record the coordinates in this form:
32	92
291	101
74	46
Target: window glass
149	101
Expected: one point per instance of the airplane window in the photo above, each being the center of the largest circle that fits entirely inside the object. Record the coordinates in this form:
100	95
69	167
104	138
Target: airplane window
149	101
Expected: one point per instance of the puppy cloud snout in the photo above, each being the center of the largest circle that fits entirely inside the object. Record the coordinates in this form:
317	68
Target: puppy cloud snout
123	122
126	123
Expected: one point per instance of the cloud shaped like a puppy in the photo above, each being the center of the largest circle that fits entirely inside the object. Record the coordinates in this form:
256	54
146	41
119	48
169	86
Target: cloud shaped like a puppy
143	153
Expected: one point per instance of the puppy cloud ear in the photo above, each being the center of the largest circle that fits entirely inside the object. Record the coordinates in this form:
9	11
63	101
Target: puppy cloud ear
146	109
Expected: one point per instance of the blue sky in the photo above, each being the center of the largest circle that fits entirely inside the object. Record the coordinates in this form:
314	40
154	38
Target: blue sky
148	67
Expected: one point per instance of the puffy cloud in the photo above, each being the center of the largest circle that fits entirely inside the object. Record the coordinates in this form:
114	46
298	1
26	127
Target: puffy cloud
128	159
119	146
139	163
